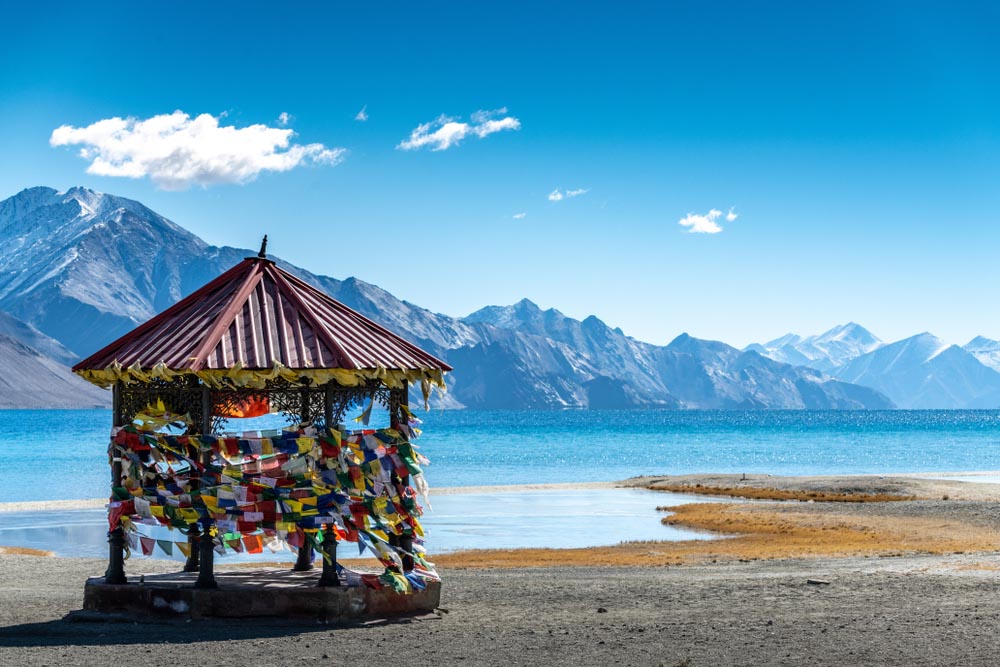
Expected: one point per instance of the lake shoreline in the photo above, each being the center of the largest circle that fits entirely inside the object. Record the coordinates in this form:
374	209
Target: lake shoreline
898	515
643	481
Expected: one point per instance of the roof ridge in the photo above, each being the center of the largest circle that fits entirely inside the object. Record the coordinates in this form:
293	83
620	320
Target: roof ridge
227	316
279	277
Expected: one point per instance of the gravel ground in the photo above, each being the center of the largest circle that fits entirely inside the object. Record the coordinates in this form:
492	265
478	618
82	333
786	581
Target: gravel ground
880	611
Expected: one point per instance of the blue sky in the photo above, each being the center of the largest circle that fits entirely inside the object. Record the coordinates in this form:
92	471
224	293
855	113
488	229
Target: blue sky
856	144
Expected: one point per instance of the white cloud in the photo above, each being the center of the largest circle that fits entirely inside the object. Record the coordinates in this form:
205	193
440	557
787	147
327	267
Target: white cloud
284	118
176	151
557	195
445	132
363	114
707	223
520	216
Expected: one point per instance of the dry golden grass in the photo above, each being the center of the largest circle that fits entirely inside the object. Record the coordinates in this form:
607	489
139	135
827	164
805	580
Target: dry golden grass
760	533
24	551
767	493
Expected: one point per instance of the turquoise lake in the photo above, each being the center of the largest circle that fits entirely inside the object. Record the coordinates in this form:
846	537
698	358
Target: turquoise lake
61	455
48	455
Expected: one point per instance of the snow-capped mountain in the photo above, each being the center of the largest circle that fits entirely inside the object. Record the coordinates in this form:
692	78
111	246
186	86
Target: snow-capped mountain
826	351
924	371
687	373
713	375
987	351
83	267
590	346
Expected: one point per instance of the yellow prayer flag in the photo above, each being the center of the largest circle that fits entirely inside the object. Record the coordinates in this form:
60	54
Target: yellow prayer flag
190	515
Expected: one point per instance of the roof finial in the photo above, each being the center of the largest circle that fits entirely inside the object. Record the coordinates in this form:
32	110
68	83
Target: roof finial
263	248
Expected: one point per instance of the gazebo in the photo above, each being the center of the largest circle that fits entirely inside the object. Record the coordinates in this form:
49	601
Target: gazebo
259	340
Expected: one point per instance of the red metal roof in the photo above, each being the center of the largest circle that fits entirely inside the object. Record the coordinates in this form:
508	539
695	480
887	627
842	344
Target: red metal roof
256	314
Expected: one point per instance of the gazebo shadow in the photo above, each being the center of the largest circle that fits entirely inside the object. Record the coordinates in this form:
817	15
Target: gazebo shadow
80	628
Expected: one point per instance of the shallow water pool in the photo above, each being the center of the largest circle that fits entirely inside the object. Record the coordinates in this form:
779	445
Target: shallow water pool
555	518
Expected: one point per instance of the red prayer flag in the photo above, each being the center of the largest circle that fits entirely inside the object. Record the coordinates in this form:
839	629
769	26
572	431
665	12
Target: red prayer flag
147	545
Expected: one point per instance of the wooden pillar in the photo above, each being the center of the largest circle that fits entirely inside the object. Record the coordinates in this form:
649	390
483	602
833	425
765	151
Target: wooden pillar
193	563
304	561
328	407
398	420
115	574
329	576
206	545
202	558
398	417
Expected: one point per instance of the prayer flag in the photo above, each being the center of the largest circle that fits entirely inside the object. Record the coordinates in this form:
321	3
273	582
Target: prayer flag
147	545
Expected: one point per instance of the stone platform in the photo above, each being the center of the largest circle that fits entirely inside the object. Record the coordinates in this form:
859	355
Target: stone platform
253	593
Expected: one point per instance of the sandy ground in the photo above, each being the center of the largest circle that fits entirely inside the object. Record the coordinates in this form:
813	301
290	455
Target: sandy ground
920	610
919	486
913	583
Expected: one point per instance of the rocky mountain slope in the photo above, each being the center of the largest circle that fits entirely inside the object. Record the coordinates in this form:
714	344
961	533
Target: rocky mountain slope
14	328
32	380
687	373
83	268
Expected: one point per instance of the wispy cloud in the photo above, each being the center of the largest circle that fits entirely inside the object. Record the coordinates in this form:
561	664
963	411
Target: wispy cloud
363	114
519	216
557	195
445	132
707	223
284	118
177	151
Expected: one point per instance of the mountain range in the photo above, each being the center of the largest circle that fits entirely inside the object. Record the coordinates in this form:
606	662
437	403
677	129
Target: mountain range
920	372
80	268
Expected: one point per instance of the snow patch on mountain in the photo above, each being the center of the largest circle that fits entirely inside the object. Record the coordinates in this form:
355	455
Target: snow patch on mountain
826	351
925	372
986	350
